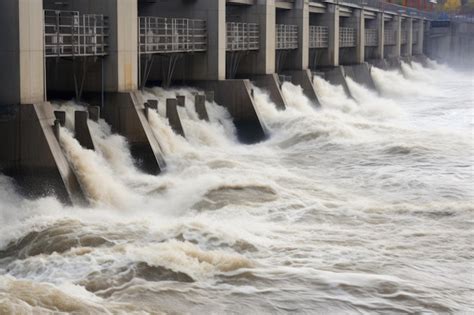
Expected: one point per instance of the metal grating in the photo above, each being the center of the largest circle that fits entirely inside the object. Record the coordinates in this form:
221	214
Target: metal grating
404	38
242	36
318	37
68	34
371	37
171	35
286	36
347	37
390	37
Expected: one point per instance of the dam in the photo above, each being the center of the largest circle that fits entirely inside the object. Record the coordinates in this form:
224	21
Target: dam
102	53
235	157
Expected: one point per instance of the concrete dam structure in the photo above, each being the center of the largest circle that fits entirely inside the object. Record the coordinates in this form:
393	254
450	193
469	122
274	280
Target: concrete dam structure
103	52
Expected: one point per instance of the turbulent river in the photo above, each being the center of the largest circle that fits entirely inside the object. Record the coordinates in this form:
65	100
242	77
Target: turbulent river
362	206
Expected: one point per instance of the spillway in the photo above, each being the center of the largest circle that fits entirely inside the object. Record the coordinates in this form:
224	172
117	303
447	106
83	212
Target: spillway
362	205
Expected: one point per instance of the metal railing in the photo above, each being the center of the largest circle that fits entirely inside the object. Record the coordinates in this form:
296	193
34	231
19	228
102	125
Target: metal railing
286	36
371	37
404	37
242	36
69	34
390	37
171	35
347	37
383	6
318	36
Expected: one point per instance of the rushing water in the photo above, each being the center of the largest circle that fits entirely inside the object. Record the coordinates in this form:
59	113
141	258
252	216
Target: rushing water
362	206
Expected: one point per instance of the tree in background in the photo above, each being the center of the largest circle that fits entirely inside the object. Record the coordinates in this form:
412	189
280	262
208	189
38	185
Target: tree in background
452	6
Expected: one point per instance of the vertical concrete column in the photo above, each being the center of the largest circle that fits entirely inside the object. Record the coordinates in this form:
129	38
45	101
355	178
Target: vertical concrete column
330	19
397	21
360	30
418	49
263	12
380	35
409	29
216	27
299	16
122	63
21	52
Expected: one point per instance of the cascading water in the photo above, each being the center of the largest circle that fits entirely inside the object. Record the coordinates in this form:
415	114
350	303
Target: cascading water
361	206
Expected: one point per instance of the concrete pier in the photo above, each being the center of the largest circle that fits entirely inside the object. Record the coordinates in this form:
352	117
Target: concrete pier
271	84
200	105
81	130
173	116
236	96
125	112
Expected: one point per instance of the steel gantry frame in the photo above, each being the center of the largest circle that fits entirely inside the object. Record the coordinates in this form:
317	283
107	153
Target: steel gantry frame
83	39
169	38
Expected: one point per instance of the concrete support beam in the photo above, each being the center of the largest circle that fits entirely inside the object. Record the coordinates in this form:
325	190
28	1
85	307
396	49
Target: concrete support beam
420	31
299	16
263	61
380	35
359	22
121	65
330	19
21	52
397	20
409	45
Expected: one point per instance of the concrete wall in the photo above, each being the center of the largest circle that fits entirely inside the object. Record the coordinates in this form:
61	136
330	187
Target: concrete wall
21	52
354	55
121	64
407	26
419	27
207	66
263	13
298	59
452	43
330	19
393	51
32	155
375	52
